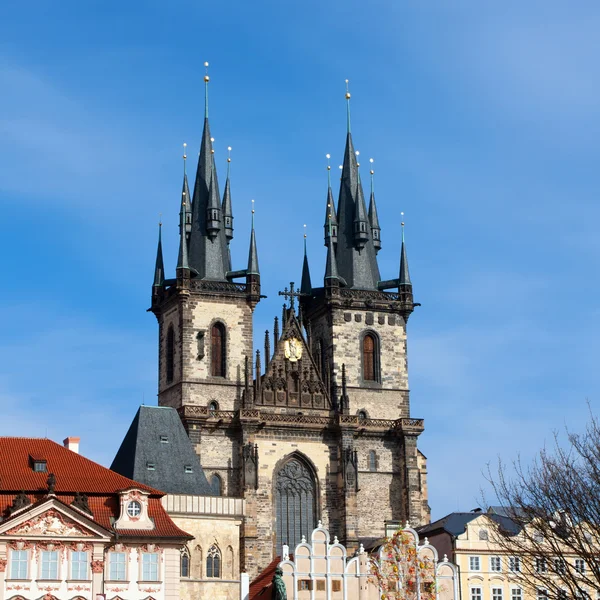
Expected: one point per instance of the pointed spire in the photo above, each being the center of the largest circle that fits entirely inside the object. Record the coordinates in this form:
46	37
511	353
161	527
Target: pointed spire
186	199
361	219
347	107
159	268
355	253
208	254
253	253
267	348
226	206
331	271
330	209
275	333
182	257
373	217
206	80
305	284
404	278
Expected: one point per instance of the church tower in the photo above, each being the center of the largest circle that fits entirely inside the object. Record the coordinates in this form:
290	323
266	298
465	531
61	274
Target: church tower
205	315
316	427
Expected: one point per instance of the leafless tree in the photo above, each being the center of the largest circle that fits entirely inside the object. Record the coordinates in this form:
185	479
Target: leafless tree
553	510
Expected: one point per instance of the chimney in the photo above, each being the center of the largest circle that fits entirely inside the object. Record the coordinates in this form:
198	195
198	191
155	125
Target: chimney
72	443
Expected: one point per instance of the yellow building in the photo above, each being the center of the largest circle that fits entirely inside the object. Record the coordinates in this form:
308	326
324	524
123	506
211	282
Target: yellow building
488	570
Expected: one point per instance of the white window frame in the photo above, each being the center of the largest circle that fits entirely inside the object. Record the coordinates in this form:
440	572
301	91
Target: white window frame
579	565
542	594
541	561
17	563
150	560
47	559
472	559
77	560
112	562
498	560
478	595
514	564
494	595
516	593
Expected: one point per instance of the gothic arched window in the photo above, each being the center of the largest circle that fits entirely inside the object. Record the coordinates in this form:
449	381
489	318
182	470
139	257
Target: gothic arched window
296	503
216	484
370	356
170	353
185	563
372	460
218	350
213	562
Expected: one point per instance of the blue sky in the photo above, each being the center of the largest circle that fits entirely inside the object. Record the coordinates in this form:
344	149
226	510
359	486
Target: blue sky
483	120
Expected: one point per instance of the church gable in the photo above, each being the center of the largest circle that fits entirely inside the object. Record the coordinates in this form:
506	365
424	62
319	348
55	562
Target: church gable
291	377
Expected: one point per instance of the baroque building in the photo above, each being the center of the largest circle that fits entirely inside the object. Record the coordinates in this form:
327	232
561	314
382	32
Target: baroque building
317	424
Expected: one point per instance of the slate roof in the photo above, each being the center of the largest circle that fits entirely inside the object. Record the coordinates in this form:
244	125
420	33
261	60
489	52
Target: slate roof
142	445
74	473
455	523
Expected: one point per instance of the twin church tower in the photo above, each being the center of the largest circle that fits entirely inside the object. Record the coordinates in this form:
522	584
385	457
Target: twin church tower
316	426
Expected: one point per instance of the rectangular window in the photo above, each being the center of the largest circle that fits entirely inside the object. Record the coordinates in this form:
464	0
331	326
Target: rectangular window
150	566
516	594
79	565
541	566
474	563
542	594
496	593
188	469
514	564
19	560
495	564
150	466
117	566
40	466
580	565
476	593
560	566
562	595
336	585
304	585
164	439
49	563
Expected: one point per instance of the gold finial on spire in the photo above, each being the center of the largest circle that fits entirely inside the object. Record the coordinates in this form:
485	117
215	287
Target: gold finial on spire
402	223
357	155
347	90
212	141
206	80
253	206
328	156
371	161
348	106
304	230
160	219
184	156
206	77
228	154
372	171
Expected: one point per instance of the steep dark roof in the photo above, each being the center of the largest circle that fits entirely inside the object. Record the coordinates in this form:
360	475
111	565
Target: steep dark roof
456	523
142	445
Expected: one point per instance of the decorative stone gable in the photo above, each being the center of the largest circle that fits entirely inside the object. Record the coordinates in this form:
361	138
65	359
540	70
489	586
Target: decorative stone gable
50	523
291	377
134	511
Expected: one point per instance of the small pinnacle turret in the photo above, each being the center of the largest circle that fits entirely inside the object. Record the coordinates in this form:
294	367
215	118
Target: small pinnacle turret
404	277
330	213
182	257
373	217
226	206
186	199
361	219
305	283
159	267
253	252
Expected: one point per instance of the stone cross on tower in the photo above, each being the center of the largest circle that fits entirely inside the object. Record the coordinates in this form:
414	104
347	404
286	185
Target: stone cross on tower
292	294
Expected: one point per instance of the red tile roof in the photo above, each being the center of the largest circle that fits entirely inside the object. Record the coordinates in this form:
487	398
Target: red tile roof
261	586
74	473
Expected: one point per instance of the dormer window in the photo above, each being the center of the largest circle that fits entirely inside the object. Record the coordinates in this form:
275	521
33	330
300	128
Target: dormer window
40	466
164	439
150	466
188	469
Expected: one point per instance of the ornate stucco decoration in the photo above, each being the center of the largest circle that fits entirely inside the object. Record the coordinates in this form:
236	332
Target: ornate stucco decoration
49	523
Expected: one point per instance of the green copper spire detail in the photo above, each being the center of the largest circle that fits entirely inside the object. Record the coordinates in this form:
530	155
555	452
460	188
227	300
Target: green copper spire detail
159	268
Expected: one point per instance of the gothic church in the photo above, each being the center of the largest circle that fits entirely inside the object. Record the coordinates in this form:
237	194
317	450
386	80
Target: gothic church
317	426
